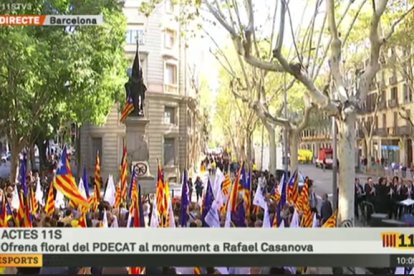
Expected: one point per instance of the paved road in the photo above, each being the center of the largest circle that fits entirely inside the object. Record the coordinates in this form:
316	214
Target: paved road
322	179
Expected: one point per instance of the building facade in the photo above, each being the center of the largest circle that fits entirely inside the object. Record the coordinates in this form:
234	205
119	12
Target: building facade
170	100
382	131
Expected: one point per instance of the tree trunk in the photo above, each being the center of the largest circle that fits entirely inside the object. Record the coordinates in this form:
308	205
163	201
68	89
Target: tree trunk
41	145
293	149
249	147
346	155
32	164
78	153
369	153
15	149
272	148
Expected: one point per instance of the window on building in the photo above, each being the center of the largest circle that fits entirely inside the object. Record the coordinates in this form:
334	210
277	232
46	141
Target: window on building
169	115
170	76
169	39
408	117
395	119
133	34
383	96
96	148
408	98
384	121
394	93
169	6
169	151
376	122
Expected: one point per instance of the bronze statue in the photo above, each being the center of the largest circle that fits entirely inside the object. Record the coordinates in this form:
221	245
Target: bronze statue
135	87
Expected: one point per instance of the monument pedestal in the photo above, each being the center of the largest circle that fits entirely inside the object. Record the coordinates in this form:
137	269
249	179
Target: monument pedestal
138	153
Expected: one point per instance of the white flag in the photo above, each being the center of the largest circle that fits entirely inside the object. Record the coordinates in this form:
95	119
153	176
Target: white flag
401	271
184	270
39	193
15	199
227	223
219	178
59	200
222	270
295	220
81	188
171	215
114	222
212	218
105	220
110	192
315	223
239	270
266	218
154	216
259	199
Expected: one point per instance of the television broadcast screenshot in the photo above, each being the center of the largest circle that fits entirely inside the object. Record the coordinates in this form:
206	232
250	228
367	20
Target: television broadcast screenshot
206	137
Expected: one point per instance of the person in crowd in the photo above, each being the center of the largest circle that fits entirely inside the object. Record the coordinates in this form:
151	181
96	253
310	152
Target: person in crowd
369	190
326	209
199	188
313	199
190	188
359	196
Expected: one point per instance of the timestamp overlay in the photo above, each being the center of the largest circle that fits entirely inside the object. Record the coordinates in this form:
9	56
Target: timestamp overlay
402	260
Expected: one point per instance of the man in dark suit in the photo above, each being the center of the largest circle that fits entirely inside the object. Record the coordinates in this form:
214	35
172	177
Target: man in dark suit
359	196
326	209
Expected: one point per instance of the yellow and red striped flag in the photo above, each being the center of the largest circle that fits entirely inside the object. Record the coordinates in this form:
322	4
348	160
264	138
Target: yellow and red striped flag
128	108
331	222
82	221
293	188
226	185
97	178
234	194
3	213
33	203
136	270
302	204
50	203
197	270
161	197
118	195
65	182
124	174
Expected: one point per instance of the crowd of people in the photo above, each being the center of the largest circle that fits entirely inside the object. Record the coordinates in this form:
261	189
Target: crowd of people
385	195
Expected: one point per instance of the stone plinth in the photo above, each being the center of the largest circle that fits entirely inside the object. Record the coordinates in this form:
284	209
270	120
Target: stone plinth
138	153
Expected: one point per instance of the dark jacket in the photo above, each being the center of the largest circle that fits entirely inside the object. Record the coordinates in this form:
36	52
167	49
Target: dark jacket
326	210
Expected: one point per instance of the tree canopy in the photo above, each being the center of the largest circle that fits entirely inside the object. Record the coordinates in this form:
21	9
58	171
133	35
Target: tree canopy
55	75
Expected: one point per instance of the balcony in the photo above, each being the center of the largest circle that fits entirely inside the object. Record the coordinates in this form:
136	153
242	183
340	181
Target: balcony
380	132
391	130
382	105
393	80
171	88
404	130
392	103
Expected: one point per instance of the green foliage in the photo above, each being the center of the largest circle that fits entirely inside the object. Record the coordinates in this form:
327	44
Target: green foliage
54	75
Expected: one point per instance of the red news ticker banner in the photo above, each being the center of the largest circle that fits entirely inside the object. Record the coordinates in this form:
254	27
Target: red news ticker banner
22	20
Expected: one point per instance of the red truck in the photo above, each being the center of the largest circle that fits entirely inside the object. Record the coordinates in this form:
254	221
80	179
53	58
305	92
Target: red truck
325	156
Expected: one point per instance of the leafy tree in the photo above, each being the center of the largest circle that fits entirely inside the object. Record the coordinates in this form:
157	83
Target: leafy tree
50	76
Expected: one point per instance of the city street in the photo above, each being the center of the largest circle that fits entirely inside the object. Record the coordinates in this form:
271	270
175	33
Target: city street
322	180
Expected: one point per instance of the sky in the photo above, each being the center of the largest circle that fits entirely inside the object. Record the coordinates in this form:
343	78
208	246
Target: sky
264	10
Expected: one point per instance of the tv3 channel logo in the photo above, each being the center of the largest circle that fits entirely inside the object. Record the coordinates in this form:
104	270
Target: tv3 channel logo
398	240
